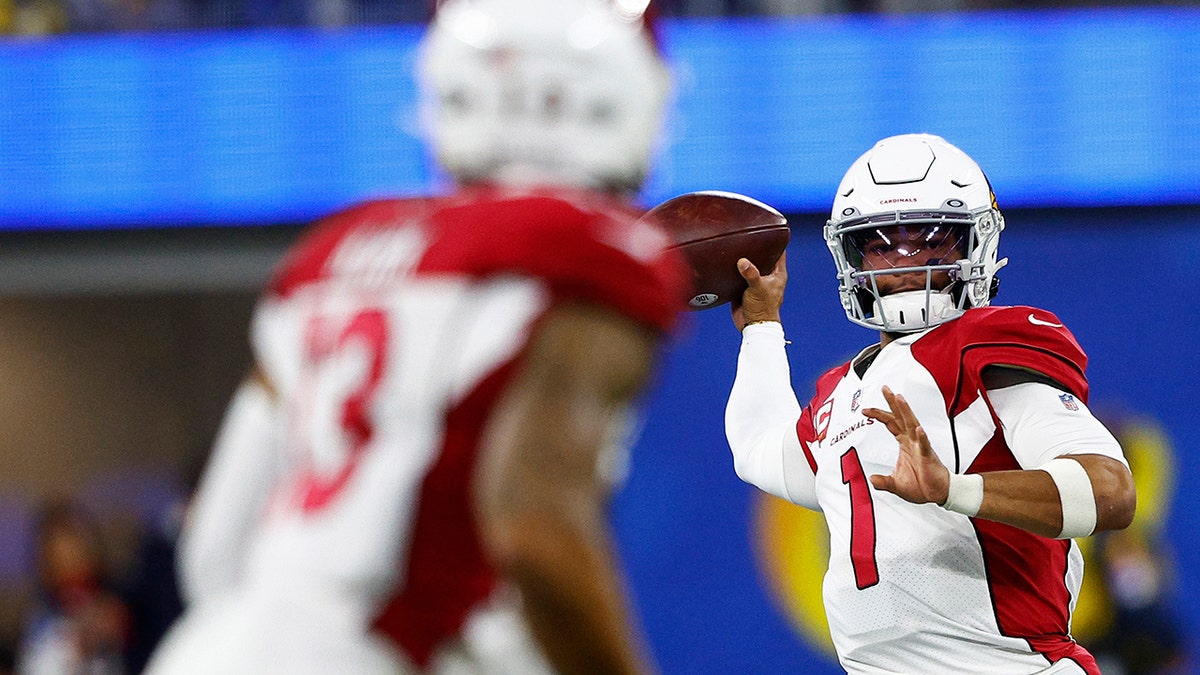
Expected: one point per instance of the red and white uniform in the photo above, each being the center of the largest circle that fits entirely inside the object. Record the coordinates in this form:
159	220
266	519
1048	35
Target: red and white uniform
388	333
916	588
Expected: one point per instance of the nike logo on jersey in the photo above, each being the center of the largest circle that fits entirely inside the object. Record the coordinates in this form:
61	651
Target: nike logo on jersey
1038	322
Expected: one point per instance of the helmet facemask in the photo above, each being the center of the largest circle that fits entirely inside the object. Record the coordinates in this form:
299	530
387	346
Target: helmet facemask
947	258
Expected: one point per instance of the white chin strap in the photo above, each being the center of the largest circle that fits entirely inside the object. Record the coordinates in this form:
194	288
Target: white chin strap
914	310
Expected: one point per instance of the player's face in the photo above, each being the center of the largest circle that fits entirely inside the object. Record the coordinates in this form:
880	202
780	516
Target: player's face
896	247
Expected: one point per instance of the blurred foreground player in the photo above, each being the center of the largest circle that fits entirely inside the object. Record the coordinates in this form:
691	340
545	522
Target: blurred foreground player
955	460
442	383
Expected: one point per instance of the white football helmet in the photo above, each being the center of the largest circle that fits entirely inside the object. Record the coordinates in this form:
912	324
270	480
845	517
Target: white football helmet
559	92
914	205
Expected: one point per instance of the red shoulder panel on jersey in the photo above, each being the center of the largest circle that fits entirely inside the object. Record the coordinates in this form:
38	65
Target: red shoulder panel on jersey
583	248
1022	337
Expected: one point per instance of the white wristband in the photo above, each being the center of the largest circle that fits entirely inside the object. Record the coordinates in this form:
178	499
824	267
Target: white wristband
965	495
1075	493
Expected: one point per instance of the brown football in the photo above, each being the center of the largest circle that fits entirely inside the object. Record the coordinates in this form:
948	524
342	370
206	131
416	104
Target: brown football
713	229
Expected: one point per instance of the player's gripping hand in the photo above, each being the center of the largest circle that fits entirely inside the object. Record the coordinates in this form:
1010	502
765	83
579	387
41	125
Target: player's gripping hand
919	477
763	297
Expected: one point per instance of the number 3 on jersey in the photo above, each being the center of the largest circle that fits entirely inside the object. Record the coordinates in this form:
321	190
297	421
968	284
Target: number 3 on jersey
346	363
862	521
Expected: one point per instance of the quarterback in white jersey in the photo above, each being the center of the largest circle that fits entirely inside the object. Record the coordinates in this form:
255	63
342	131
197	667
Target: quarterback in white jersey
415	479
954	461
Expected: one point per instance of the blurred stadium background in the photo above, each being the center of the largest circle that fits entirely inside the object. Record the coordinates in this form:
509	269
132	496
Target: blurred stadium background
152	170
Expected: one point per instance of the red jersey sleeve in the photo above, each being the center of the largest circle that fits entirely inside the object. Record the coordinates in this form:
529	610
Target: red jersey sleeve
1022	337
585	249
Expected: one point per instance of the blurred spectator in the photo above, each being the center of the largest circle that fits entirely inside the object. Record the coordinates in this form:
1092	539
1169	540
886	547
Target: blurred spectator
153	594
8	659
152	588
45	17
92	16
805	7
32	17
79	624
1145	635
138	15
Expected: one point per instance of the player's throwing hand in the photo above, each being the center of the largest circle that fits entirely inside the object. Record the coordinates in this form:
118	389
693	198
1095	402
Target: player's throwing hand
764	296
919	476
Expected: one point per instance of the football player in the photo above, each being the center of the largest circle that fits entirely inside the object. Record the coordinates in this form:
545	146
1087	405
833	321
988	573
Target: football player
956	460
415	478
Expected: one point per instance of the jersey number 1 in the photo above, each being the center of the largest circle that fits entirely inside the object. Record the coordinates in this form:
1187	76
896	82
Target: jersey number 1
862	521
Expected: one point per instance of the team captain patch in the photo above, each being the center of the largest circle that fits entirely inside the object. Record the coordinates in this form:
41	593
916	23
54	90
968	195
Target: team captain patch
1068	401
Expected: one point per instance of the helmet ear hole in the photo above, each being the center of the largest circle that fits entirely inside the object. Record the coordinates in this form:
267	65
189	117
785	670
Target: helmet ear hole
957	290
866	302
601	112
994	288
454	100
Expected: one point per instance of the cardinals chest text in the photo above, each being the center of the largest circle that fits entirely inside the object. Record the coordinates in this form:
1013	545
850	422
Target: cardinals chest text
840	427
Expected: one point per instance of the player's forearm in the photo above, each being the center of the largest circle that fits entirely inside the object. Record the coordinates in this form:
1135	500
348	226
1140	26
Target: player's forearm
1044	428
1025	499
230	497
1031	500
572	597
539	500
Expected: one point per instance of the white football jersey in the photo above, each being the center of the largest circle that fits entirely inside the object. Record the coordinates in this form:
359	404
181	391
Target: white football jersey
916	588
388	333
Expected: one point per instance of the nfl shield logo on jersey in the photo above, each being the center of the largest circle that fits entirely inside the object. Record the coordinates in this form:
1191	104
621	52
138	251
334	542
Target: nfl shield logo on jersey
854	400
1068	402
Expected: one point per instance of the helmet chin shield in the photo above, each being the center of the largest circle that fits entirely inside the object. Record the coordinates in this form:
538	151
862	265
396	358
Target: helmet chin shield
911	268
908	311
